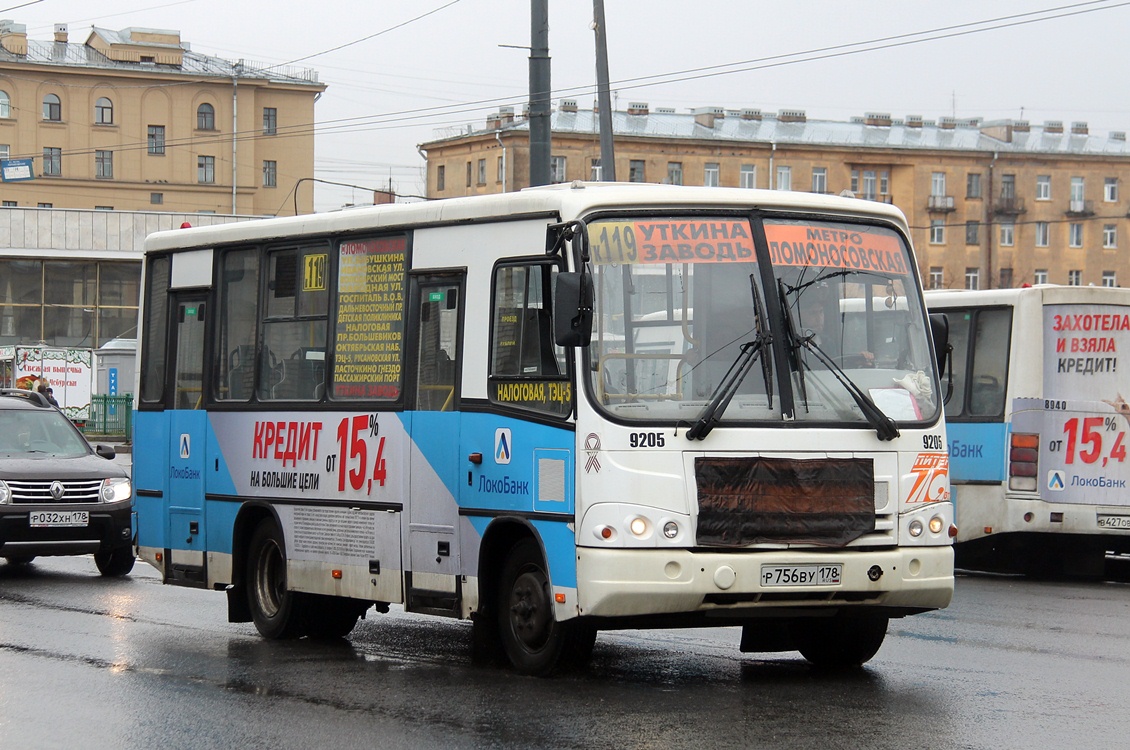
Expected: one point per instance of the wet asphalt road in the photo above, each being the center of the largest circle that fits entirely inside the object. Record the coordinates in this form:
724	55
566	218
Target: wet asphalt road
91	662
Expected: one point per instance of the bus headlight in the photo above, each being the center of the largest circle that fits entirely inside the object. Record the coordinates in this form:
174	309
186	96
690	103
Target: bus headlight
116	490
670	529
936	525
638	526
915	528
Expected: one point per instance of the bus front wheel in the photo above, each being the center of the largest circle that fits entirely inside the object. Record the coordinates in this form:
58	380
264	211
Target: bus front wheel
275	610
534	641
839	642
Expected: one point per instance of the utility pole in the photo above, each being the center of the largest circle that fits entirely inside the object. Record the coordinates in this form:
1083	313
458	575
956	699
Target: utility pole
607	154
539	92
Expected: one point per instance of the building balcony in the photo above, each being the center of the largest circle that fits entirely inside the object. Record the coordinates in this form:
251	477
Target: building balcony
940	203
1009	205
1081	208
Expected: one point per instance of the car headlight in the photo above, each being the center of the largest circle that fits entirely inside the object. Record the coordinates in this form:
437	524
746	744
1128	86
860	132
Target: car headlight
5	493
116	490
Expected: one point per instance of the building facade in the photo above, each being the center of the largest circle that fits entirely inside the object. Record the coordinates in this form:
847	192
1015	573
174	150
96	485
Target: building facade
991	204
134	120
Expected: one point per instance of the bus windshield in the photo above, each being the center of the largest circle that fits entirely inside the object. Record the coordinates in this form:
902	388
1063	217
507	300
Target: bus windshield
684	310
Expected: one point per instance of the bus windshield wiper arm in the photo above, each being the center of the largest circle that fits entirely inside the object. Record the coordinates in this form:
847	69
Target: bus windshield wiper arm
725	391
885	427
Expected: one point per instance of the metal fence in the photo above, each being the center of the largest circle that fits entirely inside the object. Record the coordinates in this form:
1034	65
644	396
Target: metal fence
110	416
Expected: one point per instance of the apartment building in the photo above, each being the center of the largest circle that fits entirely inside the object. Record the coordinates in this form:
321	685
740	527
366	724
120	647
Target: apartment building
135	120
991	204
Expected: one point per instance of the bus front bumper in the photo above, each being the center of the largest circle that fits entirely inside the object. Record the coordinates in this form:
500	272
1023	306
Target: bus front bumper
633	582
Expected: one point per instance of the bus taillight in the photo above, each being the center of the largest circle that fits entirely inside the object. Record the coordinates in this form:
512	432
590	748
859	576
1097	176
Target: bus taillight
1023	460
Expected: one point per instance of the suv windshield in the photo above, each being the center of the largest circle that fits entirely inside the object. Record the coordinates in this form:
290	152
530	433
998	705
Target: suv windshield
681	303
39	431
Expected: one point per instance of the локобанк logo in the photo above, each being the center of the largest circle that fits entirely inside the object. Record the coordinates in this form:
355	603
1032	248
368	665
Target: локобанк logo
502	445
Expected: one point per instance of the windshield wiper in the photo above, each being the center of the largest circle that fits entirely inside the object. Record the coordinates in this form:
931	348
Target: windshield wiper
885	427
750	350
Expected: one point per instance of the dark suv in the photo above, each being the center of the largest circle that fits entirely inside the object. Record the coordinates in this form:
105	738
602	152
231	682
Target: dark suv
59	496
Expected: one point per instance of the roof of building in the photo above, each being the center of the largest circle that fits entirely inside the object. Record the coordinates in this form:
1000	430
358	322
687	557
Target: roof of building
793	127
77	54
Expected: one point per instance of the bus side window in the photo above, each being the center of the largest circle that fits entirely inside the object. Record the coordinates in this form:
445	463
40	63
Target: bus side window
237	325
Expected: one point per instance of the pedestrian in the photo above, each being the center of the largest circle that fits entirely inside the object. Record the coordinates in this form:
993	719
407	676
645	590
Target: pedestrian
45	388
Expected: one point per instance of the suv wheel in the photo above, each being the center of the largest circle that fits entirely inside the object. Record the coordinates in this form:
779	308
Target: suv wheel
115	563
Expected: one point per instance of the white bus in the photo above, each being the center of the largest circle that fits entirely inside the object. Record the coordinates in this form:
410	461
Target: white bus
503	409
1037	425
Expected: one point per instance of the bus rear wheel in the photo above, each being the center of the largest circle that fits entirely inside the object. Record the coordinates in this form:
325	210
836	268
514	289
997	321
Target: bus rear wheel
839	642
276	611
532	638
332	617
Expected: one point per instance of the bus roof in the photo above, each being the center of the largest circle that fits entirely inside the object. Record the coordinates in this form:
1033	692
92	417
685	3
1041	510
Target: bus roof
1050	294
564	201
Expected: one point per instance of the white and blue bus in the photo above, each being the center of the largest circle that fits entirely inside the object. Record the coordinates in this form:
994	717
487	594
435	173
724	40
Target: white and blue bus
552	412
1037	426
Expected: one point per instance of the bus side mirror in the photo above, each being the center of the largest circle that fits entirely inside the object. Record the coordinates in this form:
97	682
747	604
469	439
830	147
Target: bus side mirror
572	309
940	332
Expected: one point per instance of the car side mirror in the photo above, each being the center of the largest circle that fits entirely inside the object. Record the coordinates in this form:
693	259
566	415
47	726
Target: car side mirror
106	451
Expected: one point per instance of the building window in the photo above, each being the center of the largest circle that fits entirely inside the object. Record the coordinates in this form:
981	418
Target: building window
1040	276
1006	278
972	278
1008	234
9	204
481	172
936	277
1109	279
5	149
103	208
1075	277
52	161
748	176
103	111
156	198
52	108
270	173
206	169
1043	187
819	179
5	105
45	205
270	120
500	171
1042	234
156	139
205	117
1110	190
1075	235
595	172
674	173
1077	189
710	175
104	164
973	185
870	185
784	178
938	183
468	174
556	169
884	183
937	232
1008	187
972	229
441	178
1110	236
635	170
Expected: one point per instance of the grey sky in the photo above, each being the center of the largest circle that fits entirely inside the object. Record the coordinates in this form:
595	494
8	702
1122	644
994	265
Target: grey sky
415	77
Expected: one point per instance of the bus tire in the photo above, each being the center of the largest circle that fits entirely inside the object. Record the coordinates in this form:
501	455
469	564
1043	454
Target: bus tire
534	641
115	563
19	560
276	612
839	642
331	617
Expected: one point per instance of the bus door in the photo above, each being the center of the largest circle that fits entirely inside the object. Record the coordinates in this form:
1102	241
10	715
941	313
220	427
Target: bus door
436	333
188	430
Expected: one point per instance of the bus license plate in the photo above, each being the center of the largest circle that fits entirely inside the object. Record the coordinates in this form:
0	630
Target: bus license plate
827	574
43	519
1114	522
